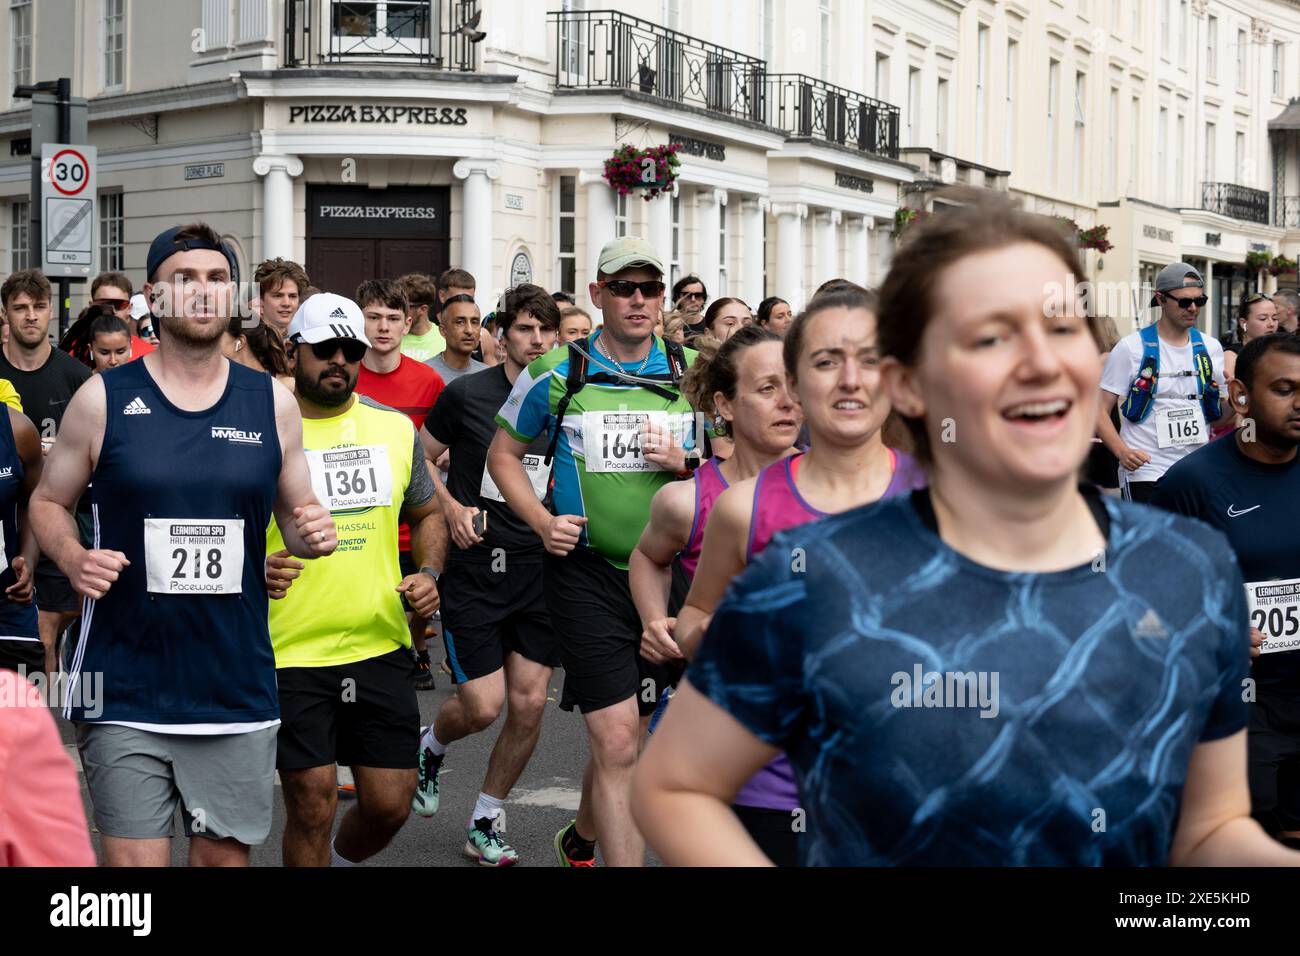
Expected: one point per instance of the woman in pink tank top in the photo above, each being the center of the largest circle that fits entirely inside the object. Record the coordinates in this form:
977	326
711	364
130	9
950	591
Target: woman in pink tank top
832	363
741	386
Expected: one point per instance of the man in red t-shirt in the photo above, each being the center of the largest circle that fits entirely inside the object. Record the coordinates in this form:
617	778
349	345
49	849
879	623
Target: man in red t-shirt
410	387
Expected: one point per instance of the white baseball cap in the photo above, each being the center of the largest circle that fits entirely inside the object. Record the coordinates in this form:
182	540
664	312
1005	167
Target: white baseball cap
325	316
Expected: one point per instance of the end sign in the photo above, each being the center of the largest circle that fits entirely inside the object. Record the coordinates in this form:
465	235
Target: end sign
68	219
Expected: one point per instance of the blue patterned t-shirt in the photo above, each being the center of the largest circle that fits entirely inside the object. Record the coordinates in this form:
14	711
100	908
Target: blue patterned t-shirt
938	712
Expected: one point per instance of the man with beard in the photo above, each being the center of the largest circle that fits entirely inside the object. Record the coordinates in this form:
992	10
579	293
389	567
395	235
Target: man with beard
1245	485
192	455
340	636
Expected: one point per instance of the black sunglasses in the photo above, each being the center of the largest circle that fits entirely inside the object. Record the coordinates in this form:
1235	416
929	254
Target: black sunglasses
1196	300
625	288
692	295
1257	297
353	351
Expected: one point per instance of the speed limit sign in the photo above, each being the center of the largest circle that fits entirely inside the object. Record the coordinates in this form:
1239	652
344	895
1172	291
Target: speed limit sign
68	222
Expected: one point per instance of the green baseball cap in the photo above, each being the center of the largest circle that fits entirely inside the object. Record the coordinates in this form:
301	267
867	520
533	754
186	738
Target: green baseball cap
626	252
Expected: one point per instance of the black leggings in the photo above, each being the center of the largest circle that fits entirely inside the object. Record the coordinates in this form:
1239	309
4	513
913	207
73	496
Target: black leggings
773	831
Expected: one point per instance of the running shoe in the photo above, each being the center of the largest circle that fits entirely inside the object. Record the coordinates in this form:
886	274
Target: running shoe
563	857
446	668
485	844
424	672
425	801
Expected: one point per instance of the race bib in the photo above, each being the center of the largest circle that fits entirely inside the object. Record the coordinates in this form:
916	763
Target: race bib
611	441
1275	612
194	555
346	479
538	474
1180	426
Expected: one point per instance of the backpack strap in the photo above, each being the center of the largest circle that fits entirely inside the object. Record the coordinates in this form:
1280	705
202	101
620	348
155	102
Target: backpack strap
1206	387
1141	394
573	384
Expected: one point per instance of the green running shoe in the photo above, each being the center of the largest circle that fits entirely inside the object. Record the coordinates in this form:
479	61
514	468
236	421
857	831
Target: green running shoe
425	801
563	856
486	846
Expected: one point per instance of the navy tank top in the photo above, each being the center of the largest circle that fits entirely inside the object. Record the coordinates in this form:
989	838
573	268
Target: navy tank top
181	637
16	620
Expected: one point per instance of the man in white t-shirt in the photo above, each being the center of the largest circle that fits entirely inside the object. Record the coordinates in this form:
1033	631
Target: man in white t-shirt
1178	421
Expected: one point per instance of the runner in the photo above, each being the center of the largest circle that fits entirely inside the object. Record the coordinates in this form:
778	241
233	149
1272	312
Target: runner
20	470
775	314
114	290
1005	570
832	360
689	296
460	322
1257	316
1167	380
110	343
495	623
281	283
724	317
1288	306
595	401
398	382
575	323
741	385
341	639
256	345
424	340
1246	486
46	378
191	456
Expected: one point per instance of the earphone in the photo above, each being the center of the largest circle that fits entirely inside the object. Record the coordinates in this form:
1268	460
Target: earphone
1241	400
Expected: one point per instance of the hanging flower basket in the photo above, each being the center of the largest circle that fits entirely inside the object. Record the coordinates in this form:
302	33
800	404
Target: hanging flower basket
904	216
1255	261
653	170
1096	238
1281	266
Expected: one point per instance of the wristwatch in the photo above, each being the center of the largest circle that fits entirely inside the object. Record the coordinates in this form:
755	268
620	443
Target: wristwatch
693	461
431	573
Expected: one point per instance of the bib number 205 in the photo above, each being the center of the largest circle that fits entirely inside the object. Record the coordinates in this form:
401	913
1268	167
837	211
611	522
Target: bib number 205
1275	612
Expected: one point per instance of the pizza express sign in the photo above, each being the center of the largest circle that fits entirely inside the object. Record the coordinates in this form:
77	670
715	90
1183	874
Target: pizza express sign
379	113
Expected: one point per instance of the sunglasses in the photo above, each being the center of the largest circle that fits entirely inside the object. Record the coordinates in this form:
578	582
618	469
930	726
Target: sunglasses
117	305
626	288
353	351
1196	300
693	295
1257	297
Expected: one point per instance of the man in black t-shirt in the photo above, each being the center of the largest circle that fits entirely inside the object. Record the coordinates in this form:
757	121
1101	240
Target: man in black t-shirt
494	621
46	379
1245	485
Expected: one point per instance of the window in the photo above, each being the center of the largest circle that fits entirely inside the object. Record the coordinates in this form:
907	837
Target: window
620	215
723	288
1242	50
20	44
1212	47
1239	157
941	107
113	25
111	222
1080	131
1179	145
824	8
1164	27
981	88
882	77
1112	146
573	41
1053	94
381	26
913	106
1279	55
1210	134
566	259
1162	151
1134	158
18	237
768	32
1009	116
675	265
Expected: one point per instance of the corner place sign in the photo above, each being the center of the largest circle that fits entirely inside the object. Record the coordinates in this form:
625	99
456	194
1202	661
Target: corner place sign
377	113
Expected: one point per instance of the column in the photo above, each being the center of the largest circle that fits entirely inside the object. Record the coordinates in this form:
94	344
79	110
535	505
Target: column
476	231
789	252
660	227
708	223
278	173
859	265
1210	307
600	218
752	213
826	262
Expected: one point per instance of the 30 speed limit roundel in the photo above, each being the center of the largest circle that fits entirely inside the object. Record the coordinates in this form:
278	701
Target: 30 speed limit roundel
69	172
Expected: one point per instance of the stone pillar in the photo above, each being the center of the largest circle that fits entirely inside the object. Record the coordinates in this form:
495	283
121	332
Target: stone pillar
278	173
476	220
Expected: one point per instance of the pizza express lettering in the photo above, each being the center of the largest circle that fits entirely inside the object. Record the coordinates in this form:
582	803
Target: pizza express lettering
378	212
377	113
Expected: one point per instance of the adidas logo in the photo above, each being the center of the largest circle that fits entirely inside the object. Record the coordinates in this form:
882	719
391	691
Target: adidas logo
338	313
137	407
1150	627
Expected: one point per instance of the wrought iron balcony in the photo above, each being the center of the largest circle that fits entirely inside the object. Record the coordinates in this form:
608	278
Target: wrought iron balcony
808	108
605	49
1236	202
432	33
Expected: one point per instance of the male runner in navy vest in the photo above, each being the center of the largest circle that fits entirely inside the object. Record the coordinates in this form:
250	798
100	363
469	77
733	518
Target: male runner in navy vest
1168	380
191	455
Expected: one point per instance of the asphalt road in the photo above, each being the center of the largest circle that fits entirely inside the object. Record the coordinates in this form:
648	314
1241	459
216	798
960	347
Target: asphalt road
543	801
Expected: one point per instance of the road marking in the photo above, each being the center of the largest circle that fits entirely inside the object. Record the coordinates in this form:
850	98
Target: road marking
559	798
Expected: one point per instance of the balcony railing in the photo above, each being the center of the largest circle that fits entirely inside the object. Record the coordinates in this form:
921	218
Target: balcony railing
1236	202
809	108
432	33
605	49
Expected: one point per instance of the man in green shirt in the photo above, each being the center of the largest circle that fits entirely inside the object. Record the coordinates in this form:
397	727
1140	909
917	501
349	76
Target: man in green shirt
424	340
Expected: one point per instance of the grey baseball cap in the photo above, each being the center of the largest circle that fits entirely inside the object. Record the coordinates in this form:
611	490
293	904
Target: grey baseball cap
1177	275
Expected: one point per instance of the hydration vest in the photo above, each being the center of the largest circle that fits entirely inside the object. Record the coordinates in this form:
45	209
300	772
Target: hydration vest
1142	393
